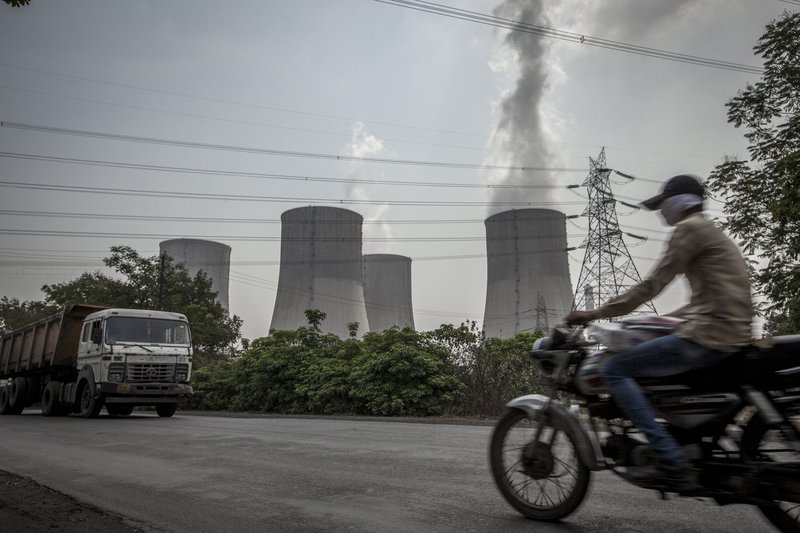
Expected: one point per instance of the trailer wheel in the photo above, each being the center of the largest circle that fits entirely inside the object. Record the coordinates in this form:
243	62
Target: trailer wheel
89	405
166	410
50	404
5	407
18	395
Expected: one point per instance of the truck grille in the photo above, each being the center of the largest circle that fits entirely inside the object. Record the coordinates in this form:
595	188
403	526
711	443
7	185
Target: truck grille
149	372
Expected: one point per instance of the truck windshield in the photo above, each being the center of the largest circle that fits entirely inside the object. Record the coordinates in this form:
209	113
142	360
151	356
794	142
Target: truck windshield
146	330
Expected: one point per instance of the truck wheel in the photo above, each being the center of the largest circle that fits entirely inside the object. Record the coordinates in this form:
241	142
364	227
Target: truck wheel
90	406
166	410
5	407
116	409
18	395
50	404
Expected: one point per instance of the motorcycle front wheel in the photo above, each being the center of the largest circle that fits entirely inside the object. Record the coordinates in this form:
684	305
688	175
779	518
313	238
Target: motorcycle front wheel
541	477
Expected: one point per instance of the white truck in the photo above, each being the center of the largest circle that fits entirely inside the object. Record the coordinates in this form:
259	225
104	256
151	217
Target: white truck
87	357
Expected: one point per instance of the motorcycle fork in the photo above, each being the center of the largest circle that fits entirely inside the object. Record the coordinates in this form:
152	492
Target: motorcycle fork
540	418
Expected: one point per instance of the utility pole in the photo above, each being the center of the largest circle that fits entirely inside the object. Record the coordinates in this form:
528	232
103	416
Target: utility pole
161	280
607	270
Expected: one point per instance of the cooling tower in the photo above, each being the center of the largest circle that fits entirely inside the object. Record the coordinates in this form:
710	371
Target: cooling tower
321	269
387	291
528	284
211	257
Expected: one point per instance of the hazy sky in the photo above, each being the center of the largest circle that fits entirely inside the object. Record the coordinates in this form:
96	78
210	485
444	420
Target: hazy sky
320	78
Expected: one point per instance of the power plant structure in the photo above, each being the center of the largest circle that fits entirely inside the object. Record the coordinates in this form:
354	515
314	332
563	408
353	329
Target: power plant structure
321	269
387	291
213	258
528	283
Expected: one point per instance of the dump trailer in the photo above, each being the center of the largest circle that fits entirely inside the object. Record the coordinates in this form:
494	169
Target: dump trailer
88	357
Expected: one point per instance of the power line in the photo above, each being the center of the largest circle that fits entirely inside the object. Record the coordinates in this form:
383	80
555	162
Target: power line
274	199
290	177
265	151
232	102
338	134
516	25
65	233
330	133
221	220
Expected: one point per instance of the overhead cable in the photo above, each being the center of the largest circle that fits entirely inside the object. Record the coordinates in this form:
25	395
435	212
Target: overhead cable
273	199
266	151
290	177
545	31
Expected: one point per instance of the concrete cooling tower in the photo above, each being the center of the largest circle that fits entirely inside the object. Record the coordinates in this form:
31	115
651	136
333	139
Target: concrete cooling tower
387	291
528	284
321	269
211	257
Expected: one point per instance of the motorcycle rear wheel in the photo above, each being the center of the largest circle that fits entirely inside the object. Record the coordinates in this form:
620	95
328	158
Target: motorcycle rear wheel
761	443
543	480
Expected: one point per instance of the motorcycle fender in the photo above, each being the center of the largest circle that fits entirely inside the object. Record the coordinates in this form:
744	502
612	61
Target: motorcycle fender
588	451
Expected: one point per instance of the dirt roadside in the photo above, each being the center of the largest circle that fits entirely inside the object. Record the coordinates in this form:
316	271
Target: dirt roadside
27	506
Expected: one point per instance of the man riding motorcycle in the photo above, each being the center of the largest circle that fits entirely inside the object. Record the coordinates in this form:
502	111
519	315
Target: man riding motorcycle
717	320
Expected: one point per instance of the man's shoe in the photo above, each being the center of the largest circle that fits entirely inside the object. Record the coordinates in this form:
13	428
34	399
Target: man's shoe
666	476
680	477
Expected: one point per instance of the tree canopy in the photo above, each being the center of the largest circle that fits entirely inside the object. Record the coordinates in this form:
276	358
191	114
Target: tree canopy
144	283
762	196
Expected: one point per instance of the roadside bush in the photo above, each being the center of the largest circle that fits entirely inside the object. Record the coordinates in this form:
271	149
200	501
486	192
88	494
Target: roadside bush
397	372
493	371
402	373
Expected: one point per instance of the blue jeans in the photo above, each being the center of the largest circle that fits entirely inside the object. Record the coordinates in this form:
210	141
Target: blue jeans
660	357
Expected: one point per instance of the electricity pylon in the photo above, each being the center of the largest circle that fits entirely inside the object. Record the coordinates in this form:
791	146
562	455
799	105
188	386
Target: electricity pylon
607	270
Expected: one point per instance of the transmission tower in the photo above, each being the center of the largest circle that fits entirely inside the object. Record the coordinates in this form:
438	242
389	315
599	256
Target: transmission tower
607	270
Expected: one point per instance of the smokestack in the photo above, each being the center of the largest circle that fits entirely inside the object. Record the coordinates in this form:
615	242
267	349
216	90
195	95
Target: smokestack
528	271
213	258
320	269
387	291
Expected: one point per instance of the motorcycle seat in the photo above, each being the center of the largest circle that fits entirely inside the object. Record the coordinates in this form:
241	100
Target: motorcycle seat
761	362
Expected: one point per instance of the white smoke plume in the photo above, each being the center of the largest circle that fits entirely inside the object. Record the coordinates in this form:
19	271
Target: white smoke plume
364	144
521	137
529	123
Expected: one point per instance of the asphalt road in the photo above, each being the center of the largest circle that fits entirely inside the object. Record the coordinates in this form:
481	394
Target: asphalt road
219	474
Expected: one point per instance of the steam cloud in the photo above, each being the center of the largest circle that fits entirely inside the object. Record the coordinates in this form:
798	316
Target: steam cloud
520	138
364	144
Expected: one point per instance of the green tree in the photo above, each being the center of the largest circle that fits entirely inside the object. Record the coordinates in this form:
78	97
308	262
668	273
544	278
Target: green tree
88	288
762	196
15	314
146	283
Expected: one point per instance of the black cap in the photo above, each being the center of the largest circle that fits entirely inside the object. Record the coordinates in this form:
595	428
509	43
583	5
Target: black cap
682	184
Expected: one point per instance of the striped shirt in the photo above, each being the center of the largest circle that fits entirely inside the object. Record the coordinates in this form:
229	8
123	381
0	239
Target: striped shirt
720	313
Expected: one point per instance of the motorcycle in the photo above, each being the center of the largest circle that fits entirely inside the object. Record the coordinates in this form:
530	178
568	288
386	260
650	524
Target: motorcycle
738	421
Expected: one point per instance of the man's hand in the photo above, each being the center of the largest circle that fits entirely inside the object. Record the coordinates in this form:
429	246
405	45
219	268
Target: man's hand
580	318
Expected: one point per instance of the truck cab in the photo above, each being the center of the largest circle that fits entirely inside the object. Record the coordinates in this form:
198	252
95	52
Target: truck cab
129	357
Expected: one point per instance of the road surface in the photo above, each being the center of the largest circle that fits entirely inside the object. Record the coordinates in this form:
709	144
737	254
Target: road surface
216	473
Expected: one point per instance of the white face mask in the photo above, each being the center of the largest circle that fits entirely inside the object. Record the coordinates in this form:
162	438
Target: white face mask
674	207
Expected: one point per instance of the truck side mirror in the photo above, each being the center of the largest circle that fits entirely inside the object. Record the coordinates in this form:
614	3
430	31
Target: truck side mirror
97	335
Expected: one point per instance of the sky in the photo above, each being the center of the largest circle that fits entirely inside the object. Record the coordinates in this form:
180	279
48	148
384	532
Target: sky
425	112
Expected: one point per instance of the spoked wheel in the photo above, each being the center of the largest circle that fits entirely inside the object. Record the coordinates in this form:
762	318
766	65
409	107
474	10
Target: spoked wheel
762	443
542	478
